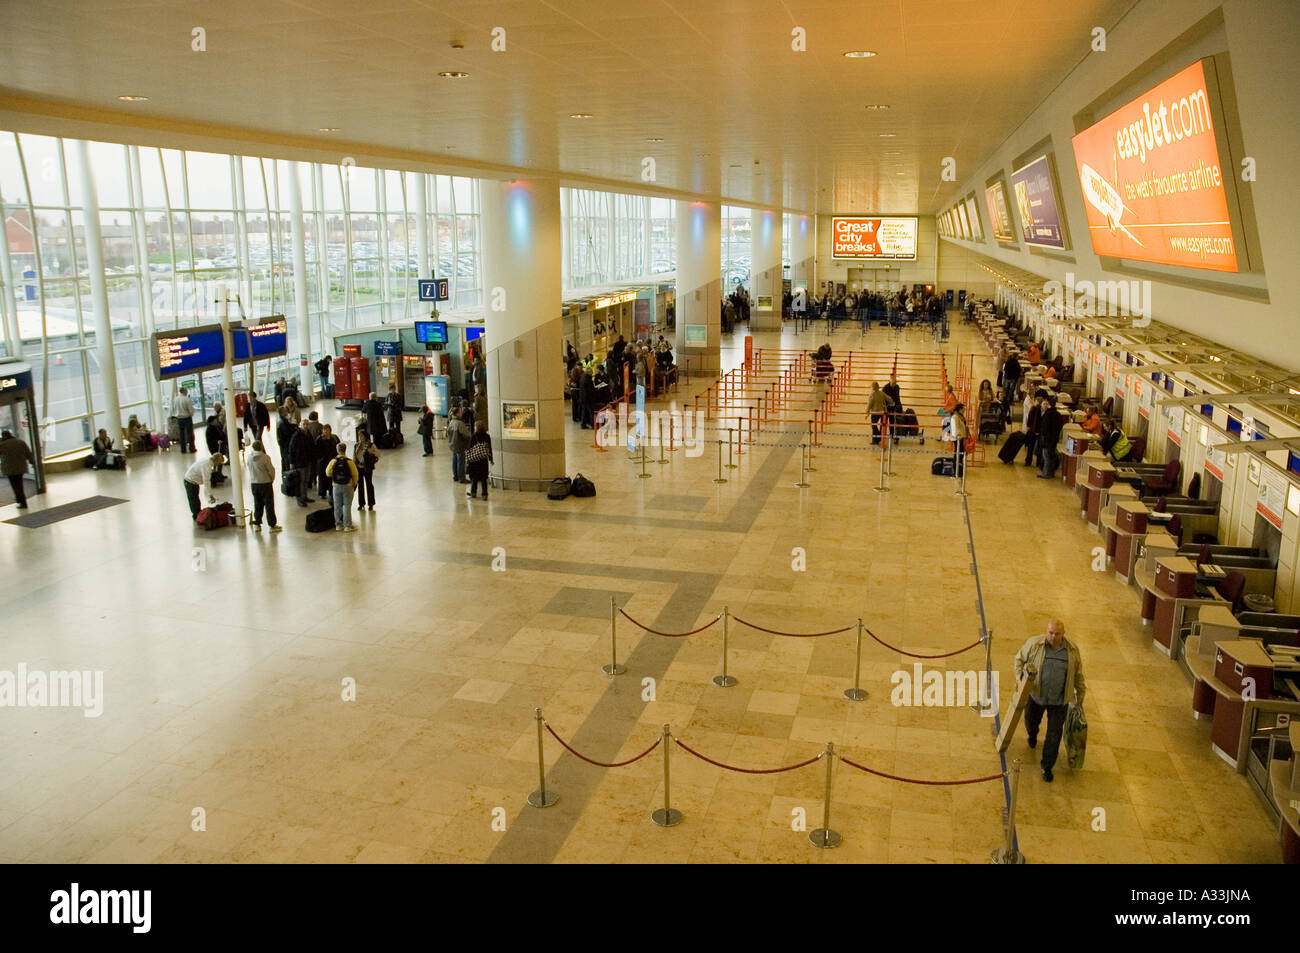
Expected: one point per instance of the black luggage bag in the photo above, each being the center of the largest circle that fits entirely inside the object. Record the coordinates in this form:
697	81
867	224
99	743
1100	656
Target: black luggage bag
290	482
1012	446
318	521
559	489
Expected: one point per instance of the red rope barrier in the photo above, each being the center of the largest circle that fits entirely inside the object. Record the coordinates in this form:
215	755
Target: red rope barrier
894	648
895	777
728	767
600	764
670	635
793	635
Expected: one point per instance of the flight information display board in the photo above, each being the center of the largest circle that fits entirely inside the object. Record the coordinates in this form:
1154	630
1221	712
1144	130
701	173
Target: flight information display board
188	351
268	338
885	237
431	332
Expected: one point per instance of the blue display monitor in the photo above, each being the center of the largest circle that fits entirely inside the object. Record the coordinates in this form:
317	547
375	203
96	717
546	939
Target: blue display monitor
473	334
431	332
268	338
187	351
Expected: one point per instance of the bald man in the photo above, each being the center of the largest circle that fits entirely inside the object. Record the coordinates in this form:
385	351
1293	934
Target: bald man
1055	669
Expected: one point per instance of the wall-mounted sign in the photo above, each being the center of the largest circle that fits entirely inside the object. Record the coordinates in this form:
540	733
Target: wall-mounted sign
1272	496
387	348
1040	216
697	335
999	215
519	420
1253	467
1152	186
1214	462
892	238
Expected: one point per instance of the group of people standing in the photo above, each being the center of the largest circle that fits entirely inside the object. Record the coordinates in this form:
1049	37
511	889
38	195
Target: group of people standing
591	384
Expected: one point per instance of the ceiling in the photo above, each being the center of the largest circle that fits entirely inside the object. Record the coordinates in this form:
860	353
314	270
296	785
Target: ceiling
741	115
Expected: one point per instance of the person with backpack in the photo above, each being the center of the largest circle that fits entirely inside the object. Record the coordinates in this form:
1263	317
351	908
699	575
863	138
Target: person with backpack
393	409
327	446
458	436
302	457
366	457
342	473
477	459
261	477
424	427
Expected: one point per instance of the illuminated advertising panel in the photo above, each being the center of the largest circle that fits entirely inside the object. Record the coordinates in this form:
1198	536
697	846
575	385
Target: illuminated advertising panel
999	215
892	238
962	222
1152	185
1040	215
973	215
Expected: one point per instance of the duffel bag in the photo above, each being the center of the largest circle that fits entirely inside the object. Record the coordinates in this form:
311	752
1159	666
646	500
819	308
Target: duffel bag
560	488
582	486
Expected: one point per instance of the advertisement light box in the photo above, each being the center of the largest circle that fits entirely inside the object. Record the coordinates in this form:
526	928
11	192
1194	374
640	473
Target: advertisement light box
1151	179
999	216
892	238
1040	212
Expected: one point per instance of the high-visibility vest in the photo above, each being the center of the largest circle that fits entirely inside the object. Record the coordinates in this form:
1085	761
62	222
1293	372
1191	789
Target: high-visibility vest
1121	447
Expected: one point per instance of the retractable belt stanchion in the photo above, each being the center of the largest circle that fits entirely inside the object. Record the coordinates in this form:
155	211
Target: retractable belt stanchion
613	668
1007	853
823	836
884	469
857	693
666	816
643	475
811	444
660	429
724	680
672	445
719	478
730	465
803	467
541	797
961	466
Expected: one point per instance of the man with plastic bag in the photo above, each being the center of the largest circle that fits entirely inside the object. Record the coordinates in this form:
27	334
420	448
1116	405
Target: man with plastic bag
1056	686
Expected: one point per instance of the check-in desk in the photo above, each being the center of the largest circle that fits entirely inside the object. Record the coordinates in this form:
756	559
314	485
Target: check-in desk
1077	442
1123	531
1240	665
1174	591
1216	624
1284	777
1097	478
1156	545
1111	499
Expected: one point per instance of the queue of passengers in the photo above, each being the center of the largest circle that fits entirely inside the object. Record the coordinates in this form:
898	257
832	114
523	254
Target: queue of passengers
591	384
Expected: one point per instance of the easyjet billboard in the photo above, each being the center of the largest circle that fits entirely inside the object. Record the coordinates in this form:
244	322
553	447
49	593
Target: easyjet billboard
1152	184
891	238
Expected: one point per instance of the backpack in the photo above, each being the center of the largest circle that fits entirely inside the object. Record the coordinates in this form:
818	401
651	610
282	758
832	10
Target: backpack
560	488
342	473
582	486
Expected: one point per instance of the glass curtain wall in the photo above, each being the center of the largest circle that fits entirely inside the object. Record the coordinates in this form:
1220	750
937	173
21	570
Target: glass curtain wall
607	237
736	247
183	231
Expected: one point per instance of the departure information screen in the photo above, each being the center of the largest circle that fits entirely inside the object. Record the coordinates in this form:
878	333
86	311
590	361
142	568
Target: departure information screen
188	351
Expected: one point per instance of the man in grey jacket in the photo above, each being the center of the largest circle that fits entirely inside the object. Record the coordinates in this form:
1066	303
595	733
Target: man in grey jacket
1055	669
261	476
183	411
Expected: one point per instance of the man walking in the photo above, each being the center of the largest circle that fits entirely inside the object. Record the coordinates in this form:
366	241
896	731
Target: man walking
343	477
1049	434
183	411
1055	670
197	476
302	456
14	457
261	476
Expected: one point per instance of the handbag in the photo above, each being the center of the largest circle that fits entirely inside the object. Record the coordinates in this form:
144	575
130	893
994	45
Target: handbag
1076	737
478	453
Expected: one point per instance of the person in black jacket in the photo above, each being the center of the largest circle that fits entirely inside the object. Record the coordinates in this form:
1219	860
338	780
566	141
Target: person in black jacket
587	393
374	411
1010	378
478	469
393	409
1032	422
1049	433
256	417
302	457
424	427
327	448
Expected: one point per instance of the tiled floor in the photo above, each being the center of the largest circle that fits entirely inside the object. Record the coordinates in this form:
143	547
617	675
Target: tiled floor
225	687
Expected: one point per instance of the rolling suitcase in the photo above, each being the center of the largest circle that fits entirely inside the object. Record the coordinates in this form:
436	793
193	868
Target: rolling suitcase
1011	447
290	482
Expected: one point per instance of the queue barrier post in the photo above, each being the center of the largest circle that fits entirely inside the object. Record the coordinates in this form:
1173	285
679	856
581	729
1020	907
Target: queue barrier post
823	837
660	434
613	668
672	445
719	478
724	680
857	693
1007	853
541	797
730	431
666	816
884	466
803	467
643	475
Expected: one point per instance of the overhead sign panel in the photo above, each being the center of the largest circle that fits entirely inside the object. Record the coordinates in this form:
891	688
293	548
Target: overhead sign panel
999	215
892	238
188	351
268	338
973	213
1152	183
1040	212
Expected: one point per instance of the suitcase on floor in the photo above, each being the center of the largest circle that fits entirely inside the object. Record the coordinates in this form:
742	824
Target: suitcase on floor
290	482
174	428
1012	446
318	521
942	466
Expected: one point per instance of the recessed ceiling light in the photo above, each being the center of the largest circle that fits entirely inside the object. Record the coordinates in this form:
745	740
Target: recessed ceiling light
655	139
453	74
860	54
888	135
581	116
328	129
134	99
878	106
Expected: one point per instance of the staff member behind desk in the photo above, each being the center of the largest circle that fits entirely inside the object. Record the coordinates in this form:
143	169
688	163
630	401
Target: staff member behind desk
14	457
1117	445
1056	679
198	475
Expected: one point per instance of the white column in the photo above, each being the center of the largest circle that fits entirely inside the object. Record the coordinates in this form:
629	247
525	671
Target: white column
699	282
519	223
99	300
422	225
305	381
156	418
803	249
765	269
